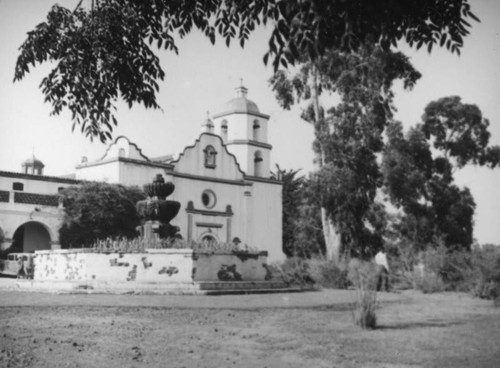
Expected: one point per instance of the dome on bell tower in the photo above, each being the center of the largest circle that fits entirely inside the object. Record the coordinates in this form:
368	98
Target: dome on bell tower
241	104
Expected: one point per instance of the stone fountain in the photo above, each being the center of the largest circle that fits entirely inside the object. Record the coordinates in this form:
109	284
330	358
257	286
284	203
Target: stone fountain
157	212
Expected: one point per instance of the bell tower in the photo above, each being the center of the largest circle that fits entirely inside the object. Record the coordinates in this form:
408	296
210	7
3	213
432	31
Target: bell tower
243	129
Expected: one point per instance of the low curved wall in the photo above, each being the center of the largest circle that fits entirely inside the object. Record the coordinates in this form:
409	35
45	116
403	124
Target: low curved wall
150	266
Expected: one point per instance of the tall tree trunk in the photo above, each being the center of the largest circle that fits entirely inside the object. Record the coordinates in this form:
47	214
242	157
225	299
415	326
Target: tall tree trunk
330	232
332	237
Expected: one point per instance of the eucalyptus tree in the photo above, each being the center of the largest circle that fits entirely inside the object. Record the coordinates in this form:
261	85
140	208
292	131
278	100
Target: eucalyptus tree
348	137
105	52
419	169
459	132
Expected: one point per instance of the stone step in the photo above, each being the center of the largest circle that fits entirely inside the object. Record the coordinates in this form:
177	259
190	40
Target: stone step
180	288
241	285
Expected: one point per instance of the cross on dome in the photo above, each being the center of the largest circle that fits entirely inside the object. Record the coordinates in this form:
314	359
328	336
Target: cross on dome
241	91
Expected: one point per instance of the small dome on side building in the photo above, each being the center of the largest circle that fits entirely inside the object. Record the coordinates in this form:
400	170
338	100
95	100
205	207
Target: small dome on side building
33	166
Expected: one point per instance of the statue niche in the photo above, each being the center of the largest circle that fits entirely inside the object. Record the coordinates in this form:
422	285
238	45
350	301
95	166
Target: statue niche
157	212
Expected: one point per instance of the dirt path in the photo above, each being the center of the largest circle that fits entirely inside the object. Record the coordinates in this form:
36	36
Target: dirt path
276	330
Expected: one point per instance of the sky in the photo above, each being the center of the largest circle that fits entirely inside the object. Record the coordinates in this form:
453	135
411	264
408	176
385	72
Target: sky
203	77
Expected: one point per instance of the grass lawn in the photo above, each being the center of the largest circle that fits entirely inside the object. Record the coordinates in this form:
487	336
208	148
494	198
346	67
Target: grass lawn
415	330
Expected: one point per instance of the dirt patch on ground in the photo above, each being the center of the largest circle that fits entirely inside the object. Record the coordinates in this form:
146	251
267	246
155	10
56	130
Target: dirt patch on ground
444	330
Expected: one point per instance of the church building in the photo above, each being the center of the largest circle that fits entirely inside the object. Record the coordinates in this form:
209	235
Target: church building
222	181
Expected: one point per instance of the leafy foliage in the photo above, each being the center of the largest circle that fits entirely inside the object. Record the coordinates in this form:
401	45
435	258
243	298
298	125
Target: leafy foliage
475	271
486	263
460	132
363	275
314	28
421	181
301	225
105	52
291	198
412	182
140	244
329	274
309	240
349	135
295	271
95	211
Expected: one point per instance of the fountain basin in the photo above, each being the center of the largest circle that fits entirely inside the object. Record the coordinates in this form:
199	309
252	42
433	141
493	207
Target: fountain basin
163	266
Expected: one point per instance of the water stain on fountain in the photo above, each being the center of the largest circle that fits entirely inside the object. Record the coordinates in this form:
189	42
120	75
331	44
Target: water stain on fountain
157	212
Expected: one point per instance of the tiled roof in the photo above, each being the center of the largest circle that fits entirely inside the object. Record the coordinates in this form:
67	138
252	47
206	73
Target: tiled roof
54	179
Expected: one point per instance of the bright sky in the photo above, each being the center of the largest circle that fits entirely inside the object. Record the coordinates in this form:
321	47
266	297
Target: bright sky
203	77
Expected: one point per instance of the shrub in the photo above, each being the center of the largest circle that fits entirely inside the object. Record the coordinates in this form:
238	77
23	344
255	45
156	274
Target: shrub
454	267
316	272
139	244
363	276
296	271
98	211
496	302
401	257
428	282
329	274
476	271
486	264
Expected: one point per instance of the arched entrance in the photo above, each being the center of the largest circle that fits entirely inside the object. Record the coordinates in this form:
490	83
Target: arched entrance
29	237
209	240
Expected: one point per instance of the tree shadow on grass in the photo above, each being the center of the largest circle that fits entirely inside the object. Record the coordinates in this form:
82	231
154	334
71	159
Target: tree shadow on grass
341	307
416	325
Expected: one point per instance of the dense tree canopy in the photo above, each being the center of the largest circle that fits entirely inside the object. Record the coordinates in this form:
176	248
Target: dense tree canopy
96	211
349	135
460	132
105	53
291	199
434	209
302	233
420	181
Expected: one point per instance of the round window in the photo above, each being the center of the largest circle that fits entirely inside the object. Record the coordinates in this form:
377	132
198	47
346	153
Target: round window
208	199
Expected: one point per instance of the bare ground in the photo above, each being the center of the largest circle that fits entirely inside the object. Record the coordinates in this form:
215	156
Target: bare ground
279	330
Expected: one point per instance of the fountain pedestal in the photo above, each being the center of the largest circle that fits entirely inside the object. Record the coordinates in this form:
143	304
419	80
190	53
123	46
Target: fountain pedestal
157	212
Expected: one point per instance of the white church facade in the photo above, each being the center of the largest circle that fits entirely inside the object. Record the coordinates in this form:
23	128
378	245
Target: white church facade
222	181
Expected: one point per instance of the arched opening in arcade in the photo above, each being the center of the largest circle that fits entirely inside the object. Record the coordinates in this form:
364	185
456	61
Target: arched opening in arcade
29	237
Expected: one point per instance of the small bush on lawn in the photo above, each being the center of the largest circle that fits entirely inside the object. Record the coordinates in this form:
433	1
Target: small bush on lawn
317	272
363	275
427	282
496	302
296	271
402	258
329	274
453	267
486	263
